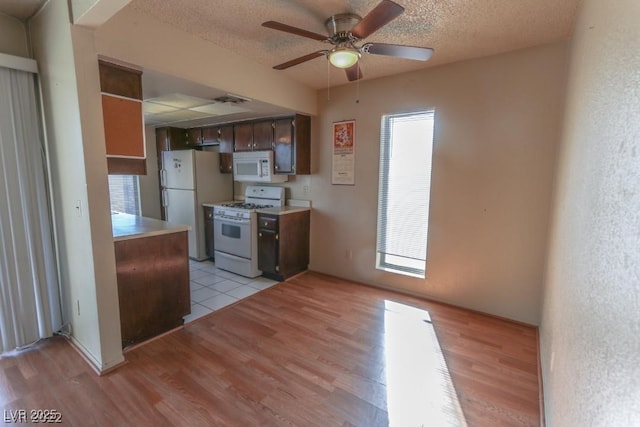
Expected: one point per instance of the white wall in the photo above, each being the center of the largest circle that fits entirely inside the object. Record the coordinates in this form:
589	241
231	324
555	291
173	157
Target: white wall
150	183
73	116
13	36
590	332
497	129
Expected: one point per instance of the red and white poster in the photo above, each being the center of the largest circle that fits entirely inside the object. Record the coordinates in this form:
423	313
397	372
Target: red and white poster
344	152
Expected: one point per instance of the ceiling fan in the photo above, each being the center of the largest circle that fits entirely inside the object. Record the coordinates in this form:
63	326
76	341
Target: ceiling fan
345	31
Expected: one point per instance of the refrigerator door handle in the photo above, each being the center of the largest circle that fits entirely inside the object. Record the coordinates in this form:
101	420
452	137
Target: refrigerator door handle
163	177
165	199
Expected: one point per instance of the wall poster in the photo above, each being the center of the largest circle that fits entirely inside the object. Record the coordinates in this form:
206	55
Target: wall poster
344	146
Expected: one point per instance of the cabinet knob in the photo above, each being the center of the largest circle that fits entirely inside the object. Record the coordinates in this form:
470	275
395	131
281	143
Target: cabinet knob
277	237
266	223
259	234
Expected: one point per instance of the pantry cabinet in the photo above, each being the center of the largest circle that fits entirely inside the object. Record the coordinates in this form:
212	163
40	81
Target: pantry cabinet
283	242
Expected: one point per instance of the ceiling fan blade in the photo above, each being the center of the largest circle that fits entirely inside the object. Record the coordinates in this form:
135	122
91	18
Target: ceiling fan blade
385	12
300	60
294	30
400	51
354	72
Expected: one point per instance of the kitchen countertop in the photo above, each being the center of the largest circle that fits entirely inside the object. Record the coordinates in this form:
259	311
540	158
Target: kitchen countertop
282	210
126	226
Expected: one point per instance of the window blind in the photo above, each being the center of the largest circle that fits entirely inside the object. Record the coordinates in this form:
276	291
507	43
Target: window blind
406	146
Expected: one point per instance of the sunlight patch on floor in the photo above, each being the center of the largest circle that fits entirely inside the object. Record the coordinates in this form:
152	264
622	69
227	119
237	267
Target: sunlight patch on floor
420	391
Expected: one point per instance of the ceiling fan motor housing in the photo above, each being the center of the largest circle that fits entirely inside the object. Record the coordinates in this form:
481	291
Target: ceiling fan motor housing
339	26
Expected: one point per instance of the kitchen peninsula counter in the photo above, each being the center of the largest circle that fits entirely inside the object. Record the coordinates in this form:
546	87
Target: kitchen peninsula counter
152	268
126	226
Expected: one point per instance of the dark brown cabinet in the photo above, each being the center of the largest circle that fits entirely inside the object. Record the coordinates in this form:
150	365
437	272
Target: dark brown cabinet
292	145
283	243
208	230
254	136
202	136
153	285
225	139
243	137
288	137
263	135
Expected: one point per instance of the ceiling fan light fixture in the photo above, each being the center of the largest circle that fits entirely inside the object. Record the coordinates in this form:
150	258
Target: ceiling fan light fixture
344	57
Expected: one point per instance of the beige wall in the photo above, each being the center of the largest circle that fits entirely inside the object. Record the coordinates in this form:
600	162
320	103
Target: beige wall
13	37
142	41
73	116
590	332
497	130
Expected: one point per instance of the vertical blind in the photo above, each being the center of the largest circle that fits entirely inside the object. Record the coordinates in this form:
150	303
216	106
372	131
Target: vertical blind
406	145
29	289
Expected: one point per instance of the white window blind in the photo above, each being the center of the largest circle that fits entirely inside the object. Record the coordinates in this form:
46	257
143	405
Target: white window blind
406	146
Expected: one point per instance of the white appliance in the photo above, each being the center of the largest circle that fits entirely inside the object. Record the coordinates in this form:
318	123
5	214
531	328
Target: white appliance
255	166
190	178
235	227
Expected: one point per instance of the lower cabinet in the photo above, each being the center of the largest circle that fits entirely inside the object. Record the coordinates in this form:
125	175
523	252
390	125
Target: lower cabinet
153	285
283	243
208	230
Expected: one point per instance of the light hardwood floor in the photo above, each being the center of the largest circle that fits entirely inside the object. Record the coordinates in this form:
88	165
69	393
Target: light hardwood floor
313	351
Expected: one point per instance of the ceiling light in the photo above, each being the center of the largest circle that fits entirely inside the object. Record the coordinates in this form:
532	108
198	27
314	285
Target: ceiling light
344	57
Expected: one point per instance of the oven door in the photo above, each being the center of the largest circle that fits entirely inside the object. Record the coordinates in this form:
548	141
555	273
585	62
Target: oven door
232	236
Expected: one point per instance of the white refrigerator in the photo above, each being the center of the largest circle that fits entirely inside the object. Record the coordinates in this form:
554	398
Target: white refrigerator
190	178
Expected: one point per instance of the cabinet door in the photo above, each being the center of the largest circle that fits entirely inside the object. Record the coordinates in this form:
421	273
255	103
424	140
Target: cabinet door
243	137
301	145
283	148
263	135
268	250
210	135
225	138
208	230
194	136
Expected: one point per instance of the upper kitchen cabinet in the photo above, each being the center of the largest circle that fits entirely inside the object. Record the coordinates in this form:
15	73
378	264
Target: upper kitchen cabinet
225	139
292	145
167	139
254	136
203	136
123	119
263	135
243	137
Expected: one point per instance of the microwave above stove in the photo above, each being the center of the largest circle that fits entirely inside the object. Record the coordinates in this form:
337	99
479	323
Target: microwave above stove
255	166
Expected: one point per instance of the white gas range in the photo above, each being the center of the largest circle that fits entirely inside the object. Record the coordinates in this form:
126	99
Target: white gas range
236	229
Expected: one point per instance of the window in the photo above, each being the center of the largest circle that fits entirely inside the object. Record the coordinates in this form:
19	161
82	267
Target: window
124	191
406	145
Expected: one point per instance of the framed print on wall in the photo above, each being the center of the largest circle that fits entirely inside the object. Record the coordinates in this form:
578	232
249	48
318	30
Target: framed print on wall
344	153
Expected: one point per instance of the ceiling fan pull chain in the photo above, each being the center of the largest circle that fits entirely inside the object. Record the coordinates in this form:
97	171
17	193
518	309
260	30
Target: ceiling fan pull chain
328	81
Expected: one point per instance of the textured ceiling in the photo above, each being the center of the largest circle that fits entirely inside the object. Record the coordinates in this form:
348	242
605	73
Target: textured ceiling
455	29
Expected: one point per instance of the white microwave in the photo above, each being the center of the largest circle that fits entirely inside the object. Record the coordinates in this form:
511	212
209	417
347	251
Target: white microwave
255	166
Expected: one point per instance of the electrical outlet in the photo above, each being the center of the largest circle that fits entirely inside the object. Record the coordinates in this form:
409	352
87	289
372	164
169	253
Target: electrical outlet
78	208
305	190
78	306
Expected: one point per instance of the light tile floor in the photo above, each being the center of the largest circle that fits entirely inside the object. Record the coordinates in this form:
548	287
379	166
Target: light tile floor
213	289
